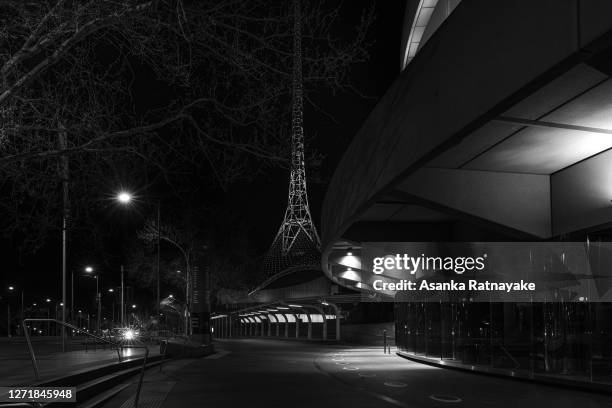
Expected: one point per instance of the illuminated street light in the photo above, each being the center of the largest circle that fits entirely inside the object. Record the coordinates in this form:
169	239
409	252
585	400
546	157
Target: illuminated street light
133	306
111	290
129	334
48	300
11	289
124	197
170	296
89	269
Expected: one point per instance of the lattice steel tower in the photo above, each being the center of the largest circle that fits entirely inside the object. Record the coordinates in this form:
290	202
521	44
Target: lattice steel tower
297	242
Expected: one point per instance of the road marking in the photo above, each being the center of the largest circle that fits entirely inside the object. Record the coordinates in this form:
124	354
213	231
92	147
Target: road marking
445	398
360	389
367	375
342	362
391	400
350	368
219	354
395	384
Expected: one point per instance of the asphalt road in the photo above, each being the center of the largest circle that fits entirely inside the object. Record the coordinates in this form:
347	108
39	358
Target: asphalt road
269	373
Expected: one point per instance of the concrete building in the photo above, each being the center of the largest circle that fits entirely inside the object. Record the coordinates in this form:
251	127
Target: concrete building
498	128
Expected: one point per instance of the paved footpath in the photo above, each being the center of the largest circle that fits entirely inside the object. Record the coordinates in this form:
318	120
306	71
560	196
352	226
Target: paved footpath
16	364
271	373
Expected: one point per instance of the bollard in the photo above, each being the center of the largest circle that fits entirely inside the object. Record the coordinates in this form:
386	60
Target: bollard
384	341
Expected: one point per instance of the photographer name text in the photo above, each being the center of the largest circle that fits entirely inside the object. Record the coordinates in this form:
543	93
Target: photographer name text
452	285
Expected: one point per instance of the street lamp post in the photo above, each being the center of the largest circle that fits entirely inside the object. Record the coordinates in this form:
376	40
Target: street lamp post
89	269
11	289
158	253
81	319
133	315
64	172
187	316
111	290
64	240
126	198
61	305
48	301
99	304
72	296
122	300
22	311
187	280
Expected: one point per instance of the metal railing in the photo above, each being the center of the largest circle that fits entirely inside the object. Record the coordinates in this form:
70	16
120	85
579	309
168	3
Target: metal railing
108	340
68	325
117	346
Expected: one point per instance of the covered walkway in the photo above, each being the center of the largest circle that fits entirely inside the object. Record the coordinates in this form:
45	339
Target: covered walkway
305	318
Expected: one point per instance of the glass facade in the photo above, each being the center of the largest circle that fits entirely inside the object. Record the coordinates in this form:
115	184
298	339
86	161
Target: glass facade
565	340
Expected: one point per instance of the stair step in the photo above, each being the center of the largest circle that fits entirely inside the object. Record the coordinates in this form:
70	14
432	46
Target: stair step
101	398
89	391
89	374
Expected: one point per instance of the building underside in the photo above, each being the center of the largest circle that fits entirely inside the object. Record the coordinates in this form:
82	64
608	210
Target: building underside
499	128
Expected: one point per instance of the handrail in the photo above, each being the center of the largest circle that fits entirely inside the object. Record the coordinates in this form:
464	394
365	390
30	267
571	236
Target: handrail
68	325
142	370
112	343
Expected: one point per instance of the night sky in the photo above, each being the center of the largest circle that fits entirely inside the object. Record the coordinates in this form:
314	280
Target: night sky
259	203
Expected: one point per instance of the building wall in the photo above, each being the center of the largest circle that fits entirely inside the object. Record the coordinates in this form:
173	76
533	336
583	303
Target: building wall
481	55
571	340
370	334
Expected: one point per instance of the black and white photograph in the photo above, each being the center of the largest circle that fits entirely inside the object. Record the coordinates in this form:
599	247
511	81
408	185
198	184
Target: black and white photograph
305	203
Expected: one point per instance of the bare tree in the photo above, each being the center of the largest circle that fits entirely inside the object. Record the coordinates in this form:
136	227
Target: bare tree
233	266
221	70
183	240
